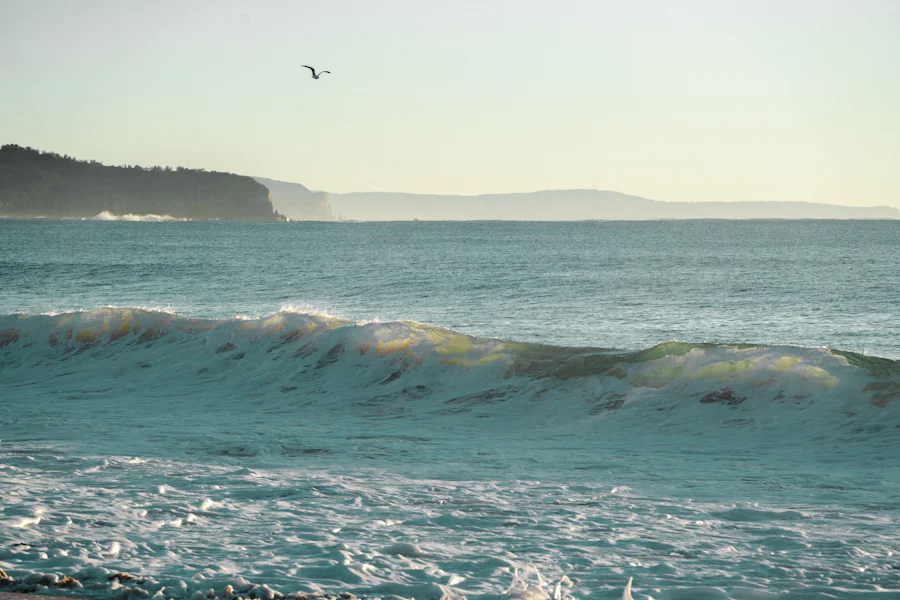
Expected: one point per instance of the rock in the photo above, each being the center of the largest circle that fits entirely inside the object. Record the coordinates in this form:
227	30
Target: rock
120	577
68	582
228	592
347	596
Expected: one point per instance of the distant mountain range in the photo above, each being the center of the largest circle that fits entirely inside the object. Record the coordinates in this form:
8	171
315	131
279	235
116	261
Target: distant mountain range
571	205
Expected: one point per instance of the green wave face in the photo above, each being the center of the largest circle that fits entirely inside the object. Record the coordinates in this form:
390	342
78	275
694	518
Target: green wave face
400	349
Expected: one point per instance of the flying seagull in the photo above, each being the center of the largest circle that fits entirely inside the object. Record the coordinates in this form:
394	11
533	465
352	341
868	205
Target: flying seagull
315	75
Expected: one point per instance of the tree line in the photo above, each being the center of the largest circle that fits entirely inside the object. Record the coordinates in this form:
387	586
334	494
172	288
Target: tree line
46	184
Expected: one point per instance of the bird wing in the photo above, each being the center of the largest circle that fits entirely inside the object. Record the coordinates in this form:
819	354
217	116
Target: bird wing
310	68
320	72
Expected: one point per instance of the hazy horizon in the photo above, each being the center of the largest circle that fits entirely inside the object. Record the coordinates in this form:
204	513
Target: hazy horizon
578	205
703	102
297	202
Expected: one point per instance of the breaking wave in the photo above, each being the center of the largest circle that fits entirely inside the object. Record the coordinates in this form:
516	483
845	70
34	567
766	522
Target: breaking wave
149	218
401	368
304	450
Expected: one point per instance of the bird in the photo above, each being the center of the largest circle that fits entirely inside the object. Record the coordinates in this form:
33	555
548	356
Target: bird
314	74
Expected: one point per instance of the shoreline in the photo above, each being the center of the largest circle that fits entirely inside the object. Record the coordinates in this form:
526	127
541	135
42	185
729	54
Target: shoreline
267	594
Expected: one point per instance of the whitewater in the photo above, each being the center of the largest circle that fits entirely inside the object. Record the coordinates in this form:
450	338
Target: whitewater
483	410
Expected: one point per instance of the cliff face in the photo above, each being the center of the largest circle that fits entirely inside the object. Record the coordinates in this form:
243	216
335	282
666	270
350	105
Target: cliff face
296	202
44	184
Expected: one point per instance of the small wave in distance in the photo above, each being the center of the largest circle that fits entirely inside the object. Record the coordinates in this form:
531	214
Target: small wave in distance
109	216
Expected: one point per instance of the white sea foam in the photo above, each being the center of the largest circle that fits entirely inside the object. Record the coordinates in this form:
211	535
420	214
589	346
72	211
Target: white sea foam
149	218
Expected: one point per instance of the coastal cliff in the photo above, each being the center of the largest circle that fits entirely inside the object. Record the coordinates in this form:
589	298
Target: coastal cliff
297	202
46	184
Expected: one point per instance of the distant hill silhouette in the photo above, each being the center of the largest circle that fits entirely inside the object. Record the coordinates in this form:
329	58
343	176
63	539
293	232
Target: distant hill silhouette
566	205
45	184
296	202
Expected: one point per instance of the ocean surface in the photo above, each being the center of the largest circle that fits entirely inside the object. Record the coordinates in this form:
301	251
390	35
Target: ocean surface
484	410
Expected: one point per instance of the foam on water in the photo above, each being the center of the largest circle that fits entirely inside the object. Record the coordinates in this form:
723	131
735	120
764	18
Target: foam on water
307	452
149	218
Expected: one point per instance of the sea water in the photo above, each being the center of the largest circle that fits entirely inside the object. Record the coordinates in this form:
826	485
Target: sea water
451	410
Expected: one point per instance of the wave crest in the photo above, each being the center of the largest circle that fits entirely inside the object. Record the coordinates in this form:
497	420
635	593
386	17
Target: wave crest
387	366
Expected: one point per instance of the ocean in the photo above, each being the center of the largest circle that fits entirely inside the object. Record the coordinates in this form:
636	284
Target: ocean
448	410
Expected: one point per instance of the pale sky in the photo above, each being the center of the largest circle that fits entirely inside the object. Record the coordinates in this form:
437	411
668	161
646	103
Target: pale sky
699	100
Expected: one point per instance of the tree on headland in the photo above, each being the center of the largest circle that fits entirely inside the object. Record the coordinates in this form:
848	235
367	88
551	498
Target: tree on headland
35	183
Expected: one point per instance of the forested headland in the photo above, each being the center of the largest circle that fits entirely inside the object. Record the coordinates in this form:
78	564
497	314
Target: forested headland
46	184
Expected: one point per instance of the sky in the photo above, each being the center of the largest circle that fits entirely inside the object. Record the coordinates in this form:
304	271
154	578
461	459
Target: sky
698	100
